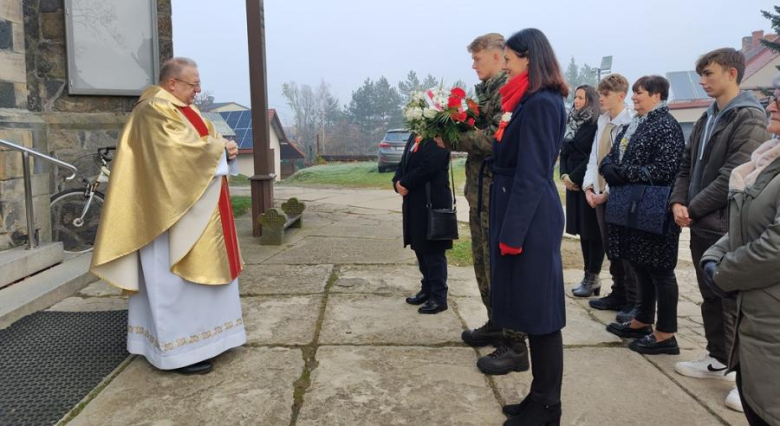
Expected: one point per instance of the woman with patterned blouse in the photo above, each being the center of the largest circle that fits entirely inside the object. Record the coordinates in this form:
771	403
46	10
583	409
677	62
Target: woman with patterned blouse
649	152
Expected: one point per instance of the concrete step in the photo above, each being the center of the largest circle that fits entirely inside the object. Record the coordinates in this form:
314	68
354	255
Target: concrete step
18	263
44	289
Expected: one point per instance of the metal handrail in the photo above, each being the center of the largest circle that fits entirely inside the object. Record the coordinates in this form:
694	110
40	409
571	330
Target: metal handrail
32	241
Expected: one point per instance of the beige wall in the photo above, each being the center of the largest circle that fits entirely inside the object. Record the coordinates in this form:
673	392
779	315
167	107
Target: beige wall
246	162
688	115
763	78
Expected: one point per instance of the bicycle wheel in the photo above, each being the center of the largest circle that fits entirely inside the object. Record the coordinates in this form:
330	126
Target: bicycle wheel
66	206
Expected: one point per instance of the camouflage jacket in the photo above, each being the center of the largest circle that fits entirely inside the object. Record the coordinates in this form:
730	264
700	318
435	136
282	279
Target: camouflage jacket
479	143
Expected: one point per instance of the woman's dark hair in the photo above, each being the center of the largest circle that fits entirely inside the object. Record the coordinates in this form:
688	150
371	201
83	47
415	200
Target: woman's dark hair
544	71
591	100
653	84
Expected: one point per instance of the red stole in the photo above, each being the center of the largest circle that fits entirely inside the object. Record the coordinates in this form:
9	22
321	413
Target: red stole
225	206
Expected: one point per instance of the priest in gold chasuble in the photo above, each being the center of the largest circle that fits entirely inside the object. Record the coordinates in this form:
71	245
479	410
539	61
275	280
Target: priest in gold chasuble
167	234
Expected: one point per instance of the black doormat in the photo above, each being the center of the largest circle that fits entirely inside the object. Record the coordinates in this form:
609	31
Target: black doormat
49	361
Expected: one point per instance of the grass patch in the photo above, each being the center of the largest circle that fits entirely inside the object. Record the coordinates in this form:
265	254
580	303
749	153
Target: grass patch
460	255
358	175
241	204
239	180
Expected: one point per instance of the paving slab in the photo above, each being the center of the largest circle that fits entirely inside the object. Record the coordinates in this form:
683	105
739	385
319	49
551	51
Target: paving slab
249	386
398	386
385	320
329	250
100	289
614	386
582	330
284	279
90	304
472	310
711	393
387	227
280	320
400	280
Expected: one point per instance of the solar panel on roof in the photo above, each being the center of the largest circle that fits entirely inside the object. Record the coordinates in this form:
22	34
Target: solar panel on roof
241	123
685	86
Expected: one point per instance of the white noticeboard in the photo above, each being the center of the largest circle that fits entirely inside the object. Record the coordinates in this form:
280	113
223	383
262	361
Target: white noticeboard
112	46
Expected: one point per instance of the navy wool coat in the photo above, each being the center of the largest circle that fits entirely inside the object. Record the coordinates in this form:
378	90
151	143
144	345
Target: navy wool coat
429	165
525	212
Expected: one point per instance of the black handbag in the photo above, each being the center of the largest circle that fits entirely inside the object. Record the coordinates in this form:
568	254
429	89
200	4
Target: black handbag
640	207
442	223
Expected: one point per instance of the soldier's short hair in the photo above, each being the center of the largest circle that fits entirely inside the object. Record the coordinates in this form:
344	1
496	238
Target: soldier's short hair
613	83
173	67
485	42
726	57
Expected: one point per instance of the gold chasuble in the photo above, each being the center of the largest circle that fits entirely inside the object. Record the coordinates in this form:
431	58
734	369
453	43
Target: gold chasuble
162	180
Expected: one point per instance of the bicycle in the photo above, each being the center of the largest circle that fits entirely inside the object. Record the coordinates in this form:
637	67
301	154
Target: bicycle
75	212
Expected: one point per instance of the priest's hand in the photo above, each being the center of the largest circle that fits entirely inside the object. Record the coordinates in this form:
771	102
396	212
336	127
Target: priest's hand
232	149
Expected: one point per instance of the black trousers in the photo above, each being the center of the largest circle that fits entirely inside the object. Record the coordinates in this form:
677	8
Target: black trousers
592	255
752	417
624	285
433	266
657	286
719	315
546	367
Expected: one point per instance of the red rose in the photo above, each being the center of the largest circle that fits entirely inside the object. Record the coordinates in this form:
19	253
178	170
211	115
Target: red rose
459	116
458	92
453	102
471	121
473	106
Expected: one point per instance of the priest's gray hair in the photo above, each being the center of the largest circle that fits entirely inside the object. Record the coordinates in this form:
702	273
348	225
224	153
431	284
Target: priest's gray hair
173	67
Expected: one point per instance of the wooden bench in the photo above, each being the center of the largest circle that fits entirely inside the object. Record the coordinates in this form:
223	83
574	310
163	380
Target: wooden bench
274	222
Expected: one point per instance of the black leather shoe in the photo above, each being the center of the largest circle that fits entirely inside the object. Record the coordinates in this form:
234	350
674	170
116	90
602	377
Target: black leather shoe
649	346
590	285
504	360
626	315
203	367
607	303
431	307
488	334
624	330
536	414
418	299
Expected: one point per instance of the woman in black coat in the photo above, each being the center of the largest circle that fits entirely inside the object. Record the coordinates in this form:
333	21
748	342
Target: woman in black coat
649	152
580	217
425	165
526	219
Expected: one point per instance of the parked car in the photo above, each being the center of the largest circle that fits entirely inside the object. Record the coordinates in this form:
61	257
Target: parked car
391	148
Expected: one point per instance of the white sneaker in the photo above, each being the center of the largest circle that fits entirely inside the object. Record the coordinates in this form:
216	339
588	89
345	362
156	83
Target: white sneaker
733	401
705	367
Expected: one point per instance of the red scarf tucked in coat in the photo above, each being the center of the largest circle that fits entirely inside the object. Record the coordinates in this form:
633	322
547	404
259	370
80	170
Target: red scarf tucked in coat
511	94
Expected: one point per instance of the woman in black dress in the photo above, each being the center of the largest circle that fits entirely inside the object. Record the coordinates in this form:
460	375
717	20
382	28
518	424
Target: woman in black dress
580	217
423	168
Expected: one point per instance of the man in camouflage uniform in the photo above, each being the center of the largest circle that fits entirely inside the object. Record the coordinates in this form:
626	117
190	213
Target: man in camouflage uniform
488	55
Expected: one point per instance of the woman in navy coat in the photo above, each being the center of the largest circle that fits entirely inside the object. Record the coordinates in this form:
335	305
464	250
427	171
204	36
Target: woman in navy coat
526	219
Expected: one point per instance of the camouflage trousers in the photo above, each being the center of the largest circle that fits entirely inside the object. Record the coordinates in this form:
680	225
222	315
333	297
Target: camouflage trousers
480	253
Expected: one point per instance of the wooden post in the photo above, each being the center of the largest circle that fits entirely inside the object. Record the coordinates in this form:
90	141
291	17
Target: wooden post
262	183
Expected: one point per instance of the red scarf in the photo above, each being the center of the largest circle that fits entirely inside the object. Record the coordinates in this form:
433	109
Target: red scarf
511	94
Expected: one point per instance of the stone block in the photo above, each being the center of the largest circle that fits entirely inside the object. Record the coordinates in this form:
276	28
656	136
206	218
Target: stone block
385	320
11	10
53	25
21	95
52	61
7	95
284	279
14	68
281	320
6	35
249	386
18	36
398	386
49	6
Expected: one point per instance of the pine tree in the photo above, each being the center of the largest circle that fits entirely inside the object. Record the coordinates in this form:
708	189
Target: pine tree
775	20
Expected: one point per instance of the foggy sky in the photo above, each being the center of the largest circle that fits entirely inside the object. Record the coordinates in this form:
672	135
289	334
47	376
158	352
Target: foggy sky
345	41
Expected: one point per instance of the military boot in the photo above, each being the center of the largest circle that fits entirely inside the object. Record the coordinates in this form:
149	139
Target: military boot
488	334
505	359
590	285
